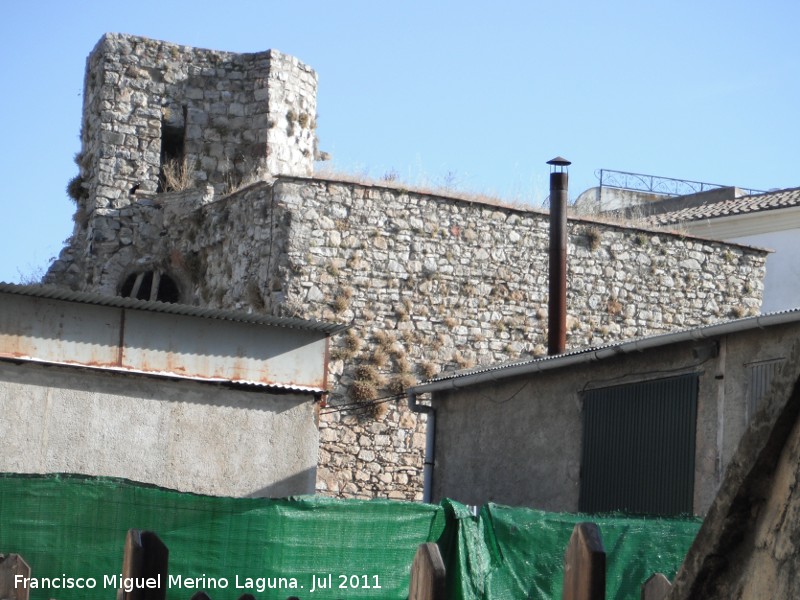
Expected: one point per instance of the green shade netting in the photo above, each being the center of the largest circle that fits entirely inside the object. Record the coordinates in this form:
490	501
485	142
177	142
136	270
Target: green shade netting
76	526
518	553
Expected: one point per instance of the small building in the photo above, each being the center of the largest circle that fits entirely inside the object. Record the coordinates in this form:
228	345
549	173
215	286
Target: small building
642	426
194	399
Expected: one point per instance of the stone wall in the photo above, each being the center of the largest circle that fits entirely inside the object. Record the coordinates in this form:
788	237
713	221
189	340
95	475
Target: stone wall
428	283
163	117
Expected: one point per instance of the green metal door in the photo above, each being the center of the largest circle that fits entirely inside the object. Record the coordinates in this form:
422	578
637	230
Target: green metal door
638	447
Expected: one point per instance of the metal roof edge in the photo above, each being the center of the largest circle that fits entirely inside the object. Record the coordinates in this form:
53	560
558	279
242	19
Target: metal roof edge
53	292
236	383
585	356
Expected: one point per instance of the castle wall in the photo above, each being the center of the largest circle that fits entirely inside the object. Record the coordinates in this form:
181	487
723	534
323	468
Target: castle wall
428	283
235	115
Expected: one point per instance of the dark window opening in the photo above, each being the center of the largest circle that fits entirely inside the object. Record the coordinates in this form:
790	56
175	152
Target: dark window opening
150	285
638	452
173	137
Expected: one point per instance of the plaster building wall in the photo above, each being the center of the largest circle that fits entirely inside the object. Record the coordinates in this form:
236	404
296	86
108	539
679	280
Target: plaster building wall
428	283
184	435
754	522
782	276
518	441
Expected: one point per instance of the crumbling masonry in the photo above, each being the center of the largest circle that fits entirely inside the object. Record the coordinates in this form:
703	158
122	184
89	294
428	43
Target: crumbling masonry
196	186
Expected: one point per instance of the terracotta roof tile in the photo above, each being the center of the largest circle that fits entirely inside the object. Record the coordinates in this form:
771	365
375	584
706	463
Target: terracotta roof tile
744	204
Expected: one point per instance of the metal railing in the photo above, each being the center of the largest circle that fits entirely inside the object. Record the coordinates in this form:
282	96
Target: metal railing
657	185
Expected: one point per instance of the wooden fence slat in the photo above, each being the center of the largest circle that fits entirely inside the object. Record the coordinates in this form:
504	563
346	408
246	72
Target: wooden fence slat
12	565
427	574
585	564
656	587
145	557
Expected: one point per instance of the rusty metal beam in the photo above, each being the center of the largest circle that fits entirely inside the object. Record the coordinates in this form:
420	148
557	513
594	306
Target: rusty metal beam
557	304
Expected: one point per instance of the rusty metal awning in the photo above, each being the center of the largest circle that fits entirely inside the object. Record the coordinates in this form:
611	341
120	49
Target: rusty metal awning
120	334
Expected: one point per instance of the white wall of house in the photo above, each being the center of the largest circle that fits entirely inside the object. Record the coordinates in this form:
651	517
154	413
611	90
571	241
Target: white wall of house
782	279
777	230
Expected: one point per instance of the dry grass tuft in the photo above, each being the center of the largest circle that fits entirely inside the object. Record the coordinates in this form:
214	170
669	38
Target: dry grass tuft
178	176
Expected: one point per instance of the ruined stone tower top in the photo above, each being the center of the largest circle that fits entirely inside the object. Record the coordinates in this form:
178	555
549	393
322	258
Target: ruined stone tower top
162	117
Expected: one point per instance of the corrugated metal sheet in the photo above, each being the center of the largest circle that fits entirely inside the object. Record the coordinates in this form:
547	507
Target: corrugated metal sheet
760	377
638	450
57	293
177	345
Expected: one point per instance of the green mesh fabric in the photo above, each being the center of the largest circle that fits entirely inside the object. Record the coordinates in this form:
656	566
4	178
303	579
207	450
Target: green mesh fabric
76	526
517	553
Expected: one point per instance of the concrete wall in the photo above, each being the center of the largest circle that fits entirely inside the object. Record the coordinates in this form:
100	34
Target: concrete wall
749	542
184	435
518	441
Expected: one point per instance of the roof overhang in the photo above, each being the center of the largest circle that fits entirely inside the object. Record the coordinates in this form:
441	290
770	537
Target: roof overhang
173	343
745	224
580	357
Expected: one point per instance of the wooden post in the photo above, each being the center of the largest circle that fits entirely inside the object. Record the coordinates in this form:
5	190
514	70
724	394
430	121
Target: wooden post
12	565
585	564
145	557
427	574
656	588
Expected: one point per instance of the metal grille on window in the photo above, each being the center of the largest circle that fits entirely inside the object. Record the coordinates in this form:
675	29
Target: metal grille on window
759	378
150	285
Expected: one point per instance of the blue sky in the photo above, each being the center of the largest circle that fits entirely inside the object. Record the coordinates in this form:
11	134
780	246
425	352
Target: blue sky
473	94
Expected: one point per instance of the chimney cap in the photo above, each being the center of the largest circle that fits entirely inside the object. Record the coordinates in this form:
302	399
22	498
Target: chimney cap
559	161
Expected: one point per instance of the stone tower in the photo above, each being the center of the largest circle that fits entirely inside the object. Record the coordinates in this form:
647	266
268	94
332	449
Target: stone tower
214	118
161	117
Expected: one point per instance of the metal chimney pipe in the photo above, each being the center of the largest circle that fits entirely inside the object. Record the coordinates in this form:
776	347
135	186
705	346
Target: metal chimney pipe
557	304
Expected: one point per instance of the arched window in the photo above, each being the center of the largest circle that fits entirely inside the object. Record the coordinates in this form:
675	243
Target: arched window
150	285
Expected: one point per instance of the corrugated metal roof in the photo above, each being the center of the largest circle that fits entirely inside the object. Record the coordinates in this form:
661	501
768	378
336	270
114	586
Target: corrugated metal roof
232	383
58	293
585	355
734	206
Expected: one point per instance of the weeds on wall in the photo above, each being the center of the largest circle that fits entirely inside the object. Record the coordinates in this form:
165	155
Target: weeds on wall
593	237
364	391
428	369
76	189
178	175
